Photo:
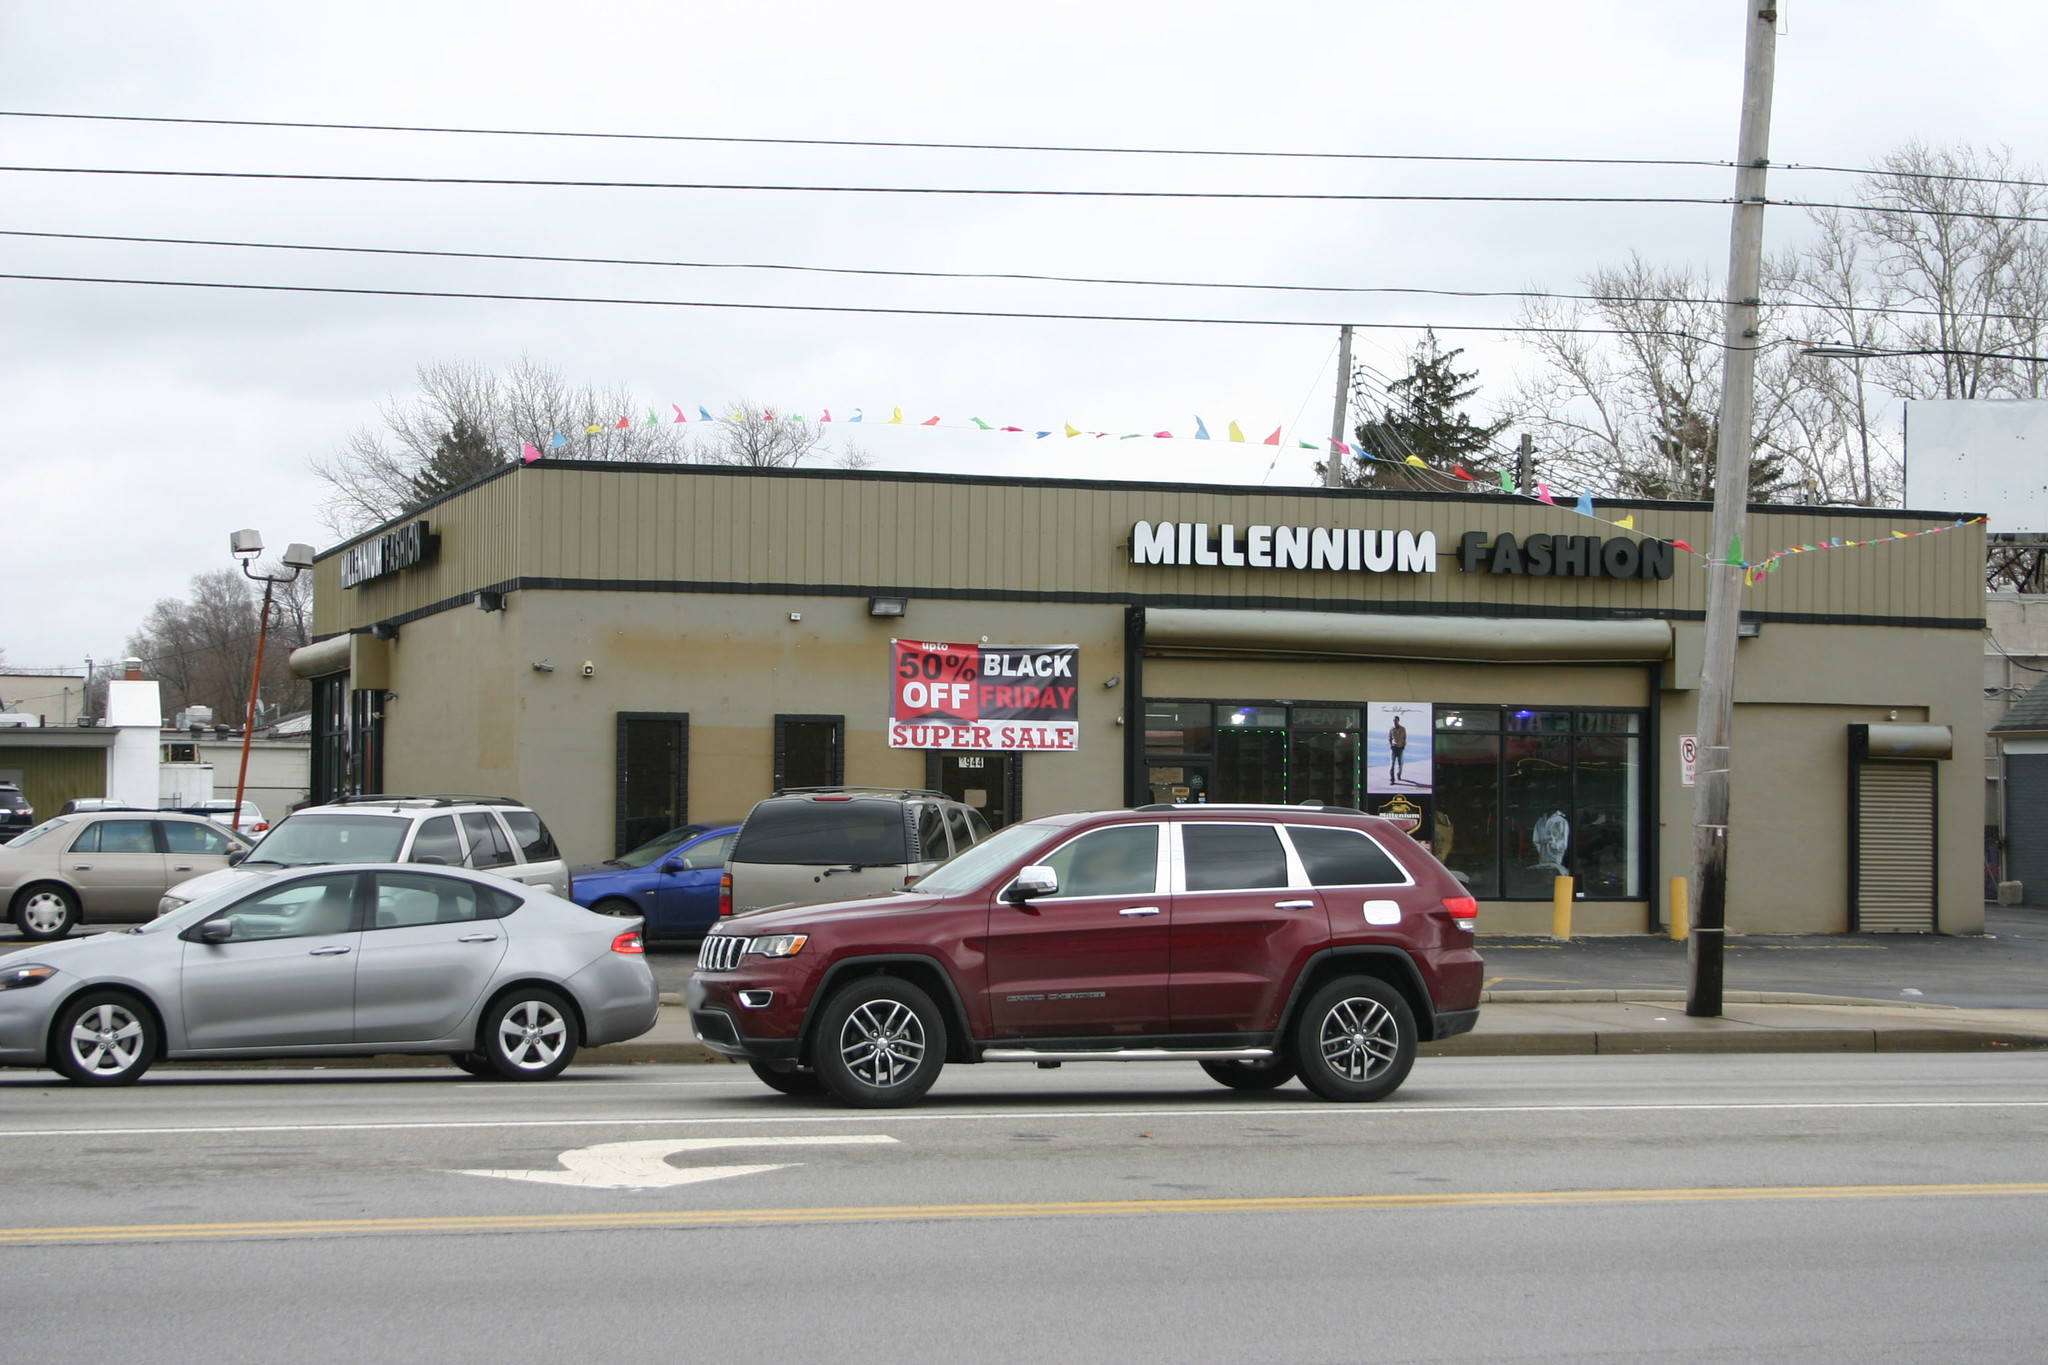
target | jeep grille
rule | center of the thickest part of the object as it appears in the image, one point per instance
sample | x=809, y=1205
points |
x=720, y=952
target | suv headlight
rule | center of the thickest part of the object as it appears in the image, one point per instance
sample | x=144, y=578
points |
x=170, y=903
x=22, y=977
x=778, y=945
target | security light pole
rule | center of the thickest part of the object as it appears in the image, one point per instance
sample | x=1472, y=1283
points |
x=1731, y=501
x=245, y=546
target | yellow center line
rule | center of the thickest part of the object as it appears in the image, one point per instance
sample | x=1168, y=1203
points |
x=705, y=1218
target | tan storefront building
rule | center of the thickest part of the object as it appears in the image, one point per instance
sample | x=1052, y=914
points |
x=629, y=647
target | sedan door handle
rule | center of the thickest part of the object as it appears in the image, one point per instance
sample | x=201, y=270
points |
x=1294, y=905
x=1140, y=910
x=331, y=950
x=478, y=938
x=81, y=867
x=182, y=867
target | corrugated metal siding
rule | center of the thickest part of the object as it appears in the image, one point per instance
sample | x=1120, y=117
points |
x=1895, y=848
x=734, y=526
x=2026, y=825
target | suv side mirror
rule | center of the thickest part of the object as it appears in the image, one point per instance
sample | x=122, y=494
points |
x=217, y=930
x=1036, y=880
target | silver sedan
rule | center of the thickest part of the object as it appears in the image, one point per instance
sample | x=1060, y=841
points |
x=504, y=979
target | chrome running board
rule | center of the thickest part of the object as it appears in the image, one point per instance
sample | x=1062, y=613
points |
x=1131, y=1054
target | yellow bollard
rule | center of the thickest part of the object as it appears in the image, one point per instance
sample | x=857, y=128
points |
x=1561, y=908
x=1681, y=909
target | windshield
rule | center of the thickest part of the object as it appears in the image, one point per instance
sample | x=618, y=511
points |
x=304, y=840
x=970, y=869
x=657, y=848
x=824, y=833
x=29, y=836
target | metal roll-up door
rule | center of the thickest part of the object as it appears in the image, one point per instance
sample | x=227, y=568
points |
x=1892, y=849
x=2026, y=825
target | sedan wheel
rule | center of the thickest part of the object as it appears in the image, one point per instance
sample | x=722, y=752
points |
x=46, y=912
x=1356, y=1040
x=105, y=1038
x=530, y=1035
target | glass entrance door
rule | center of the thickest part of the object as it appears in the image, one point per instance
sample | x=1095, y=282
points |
x=987, y=782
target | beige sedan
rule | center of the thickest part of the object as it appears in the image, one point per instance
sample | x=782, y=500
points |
x=106, y=866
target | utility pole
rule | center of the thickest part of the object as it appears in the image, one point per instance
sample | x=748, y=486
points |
x=1525, y=465
x=1333, y=463
x=1731, y=502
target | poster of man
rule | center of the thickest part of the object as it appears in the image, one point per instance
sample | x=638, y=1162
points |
x=1398, y=741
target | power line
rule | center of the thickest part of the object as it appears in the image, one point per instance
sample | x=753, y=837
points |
x=512, y=182
x=1020, y=276
x=845, y=308
x=887, y=144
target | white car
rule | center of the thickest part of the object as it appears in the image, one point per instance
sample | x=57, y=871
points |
x=485, y=833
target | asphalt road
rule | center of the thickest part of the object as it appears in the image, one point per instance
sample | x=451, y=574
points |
x=1723, y=1209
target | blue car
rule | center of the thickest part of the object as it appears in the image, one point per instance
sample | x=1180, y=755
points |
x=671, y=880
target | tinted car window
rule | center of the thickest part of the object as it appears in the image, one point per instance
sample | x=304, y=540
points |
x=977, y=825
x=436, y=841
x=1233, y=857
x=405, y=899
x=332, y=838
x=118, y=836
x=654, y=850
x=956, y=825
x=531, y=835
x=31, y=835
x=182, y=836
x=931, y=834
x=1343, y=857
x=823, y=833
x=304, y=909
x=487, y=846
x=1120, y=861
x=710, y=853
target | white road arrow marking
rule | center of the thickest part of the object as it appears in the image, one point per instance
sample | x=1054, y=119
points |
x=644, y=1165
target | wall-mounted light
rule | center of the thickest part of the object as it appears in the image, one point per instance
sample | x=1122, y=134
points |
x=384, y=630
x=888, y=606
x=1748, y=630
x=543, y=666
x=487, y=600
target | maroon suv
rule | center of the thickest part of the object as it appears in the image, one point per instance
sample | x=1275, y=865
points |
x=1265, y=942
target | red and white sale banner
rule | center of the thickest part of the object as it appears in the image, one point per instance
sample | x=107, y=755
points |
x=999, y=697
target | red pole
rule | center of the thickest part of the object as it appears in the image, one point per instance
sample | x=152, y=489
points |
x=249, y=722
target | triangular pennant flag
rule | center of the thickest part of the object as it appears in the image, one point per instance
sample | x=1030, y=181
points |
x=1627, y=523
x=1043, y=434
x=1132, y=437
x=855, y=417
x=1339, y=447
x=767, y=414
x=1236, y=433
x=1681, y=545
x=679, y=413
x=929, y=422
x=1415, y=460
x=897, y=420
x=1013, y=428
x=1543, y=493
x=623, y=424
x=1272, y=440
x=1306, y=445
x=1734, y=549
x=983, y=425
x=592, y=429
x=1900, y=535
x=828, y=415
x=1459, y=470
x=1201, y=432
x=1163, y=435
x=1507, y=483
x=1071, y=431
x=559, y=441
x=1584, y=506
x=652, y=420
x=531, y=454
x=705, y=413
x=794, y=417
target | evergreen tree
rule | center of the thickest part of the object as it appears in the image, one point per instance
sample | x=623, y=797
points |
x=462, y=455
x=1423, y=415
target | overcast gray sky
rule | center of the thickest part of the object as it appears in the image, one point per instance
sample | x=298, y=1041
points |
x=148, y=423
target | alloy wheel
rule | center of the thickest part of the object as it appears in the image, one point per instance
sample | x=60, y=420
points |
x=532, y=1034
x=1359, y=1038
x=882, y=1042
x=45, y=912
x=106, y=1039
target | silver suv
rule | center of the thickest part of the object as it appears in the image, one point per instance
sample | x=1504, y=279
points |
x=487, y=833
x=811, y=844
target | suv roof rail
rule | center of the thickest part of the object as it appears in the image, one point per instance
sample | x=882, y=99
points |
x=1252, y=805
x=472, y=799
x=430, y=798
x=875, y=791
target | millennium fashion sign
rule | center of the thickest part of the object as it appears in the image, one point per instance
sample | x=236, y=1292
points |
x=1347, y=548
x=409, y=545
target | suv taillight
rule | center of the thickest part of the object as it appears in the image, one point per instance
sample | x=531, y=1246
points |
x=1464, y=911
x=725, y=896
x=629, y=942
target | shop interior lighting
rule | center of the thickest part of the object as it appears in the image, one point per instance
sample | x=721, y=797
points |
x=888, y=606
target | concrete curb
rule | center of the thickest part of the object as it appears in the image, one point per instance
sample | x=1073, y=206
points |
x=1655, y=996
x=1628, y=1042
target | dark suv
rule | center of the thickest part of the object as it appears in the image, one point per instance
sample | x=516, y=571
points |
x=1263, y=942
x=16, y=814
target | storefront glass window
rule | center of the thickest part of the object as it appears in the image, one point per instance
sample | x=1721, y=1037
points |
x=1468, y=718
x=1536, y=810
x=1468, y=808
x=1178, y=727
x=1324, y=763
x=1603, y=844
x=1251, y=754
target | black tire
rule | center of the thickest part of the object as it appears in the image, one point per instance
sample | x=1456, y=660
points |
x=475, y=1063
x=1355, y=1040
x=46, y=911
x=788, y=1082
x=104, y=1038
x=619, y=907
x=1266, y=1075
x=880, y=1043
x=528, y=1034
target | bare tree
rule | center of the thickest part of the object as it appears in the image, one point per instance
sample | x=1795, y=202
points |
x=855, y=456
x=202, y=647
x=751, y=436
x=465, y=421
